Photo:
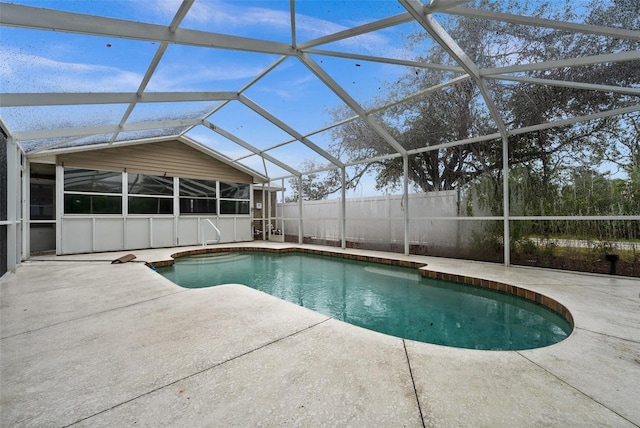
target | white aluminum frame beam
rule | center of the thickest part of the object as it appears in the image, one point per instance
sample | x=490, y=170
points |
x=292, y=19
x=85, y=98
x=571, y=62
x=442, y=5
x=107, y=129
x=420, y=93
x=69, y=22
x=384, y=60
x=613, y=32
x=568, y=84
x=472, y=140
x=54, y=145
x=266, y=71
x=357, y=31
x=570, y=121
x=95, y=98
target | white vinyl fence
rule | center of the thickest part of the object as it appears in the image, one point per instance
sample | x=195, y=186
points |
x=380, y=220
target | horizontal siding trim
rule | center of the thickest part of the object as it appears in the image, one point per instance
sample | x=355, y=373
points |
x=171, y=158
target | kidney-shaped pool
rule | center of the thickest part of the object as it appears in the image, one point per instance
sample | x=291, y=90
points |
x=388, y=299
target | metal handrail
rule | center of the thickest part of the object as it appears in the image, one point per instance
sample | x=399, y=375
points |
x=204, y=239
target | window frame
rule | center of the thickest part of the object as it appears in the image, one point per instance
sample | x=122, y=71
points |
x=245, y=201
x=185, y=197
x=91, y=194
x=148, y=196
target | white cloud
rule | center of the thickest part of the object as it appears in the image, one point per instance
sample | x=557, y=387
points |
x=224, y=17
x=294, y=88
x=220, y=16
x=23, y=72
x=176, y=77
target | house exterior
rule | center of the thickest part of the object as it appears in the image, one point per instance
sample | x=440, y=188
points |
x=131, y=196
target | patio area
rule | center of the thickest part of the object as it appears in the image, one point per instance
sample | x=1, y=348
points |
x=90, y=343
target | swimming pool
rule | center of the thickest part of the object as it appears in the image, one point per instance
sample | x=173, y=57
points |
x=388, y=299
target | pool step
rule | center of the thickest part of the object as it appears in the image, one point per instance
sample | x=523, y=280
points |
x=205, y=259
x=393, y=273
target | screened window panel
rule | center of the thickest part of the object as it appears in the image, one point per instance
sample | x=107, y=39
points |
x=76, y=203
x=197, y=188
x=142, y=184
x=234, y=207
x=150, y=205
x=197, y=206
x=88, y=180
x=234, y=190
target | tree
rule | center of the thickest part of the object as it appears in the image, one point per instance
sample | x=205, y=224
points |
x=315, y=186
x=458, y=111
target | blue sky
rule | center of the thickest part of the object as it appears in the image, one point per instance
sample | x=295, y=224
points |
x=45, y=61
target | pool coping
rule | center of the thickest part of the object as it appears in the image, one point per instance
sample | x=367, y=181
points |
x=422, y=267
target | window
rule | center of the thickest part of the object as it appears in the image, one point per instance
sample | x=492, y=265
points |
x=150, y=194
x=235, y=198
x=92, y=192
x=197, y=196
x=101, y=192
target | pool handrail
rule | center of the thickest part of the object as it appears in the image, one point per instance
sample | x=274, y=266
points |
x=202, y=232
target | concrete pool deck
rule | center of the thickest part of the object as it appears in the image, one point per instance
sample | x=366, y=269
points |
x=88, y=343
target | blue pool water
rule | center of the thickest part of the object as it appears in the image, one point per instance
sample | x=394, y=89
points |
x=387, y=299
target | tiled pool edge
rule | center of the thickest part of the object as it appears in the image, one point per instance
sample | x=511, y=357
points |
x=371, y=259
x=501, y=287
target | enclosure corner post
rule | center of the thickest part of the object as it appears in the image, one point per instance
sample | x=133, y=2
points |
x=405, y=199
x=505, y=200
x=13, y=202
x=343, y=210
x=300, y=234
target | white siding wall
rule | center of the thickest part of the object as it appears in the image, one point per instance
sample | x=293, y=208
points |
x=189, y=231
x=85, y=234
x=77, y=235
x=108, y=234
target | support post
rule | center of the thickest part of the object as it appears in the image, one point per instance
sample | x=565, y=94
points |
x=505, y=201
x=405, y=199
x=12, y=204
x=343, y=210
x=267, y=208
x=300, y=234
x=60, y=206
x=264, y=213
x=26, y=210
x=282, y=211
x=176, y=211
